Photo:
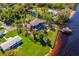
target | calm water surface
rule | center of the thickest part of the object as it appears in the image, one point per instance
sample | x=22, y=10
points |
x=71, y=42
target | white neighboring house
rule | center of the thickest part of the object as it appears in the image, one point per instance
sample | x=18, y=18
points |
x=52, y=11
x=10, y=43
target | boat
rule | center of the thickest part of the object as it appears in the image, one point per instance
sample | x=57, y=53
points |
x=66, y=30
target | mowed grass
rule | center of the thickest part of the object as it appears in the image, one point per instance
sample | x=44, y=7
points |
x=29, y=48
x=52, y=36
x=2, y=40
x=0, y=24
x=11, y=34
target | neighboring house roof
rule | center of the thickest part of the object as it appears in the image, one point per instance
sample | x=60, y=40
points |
x=11, y=41
x=36, y=21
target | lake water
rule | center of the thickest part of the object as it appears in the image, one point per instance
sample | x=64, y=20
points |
x=71, y=42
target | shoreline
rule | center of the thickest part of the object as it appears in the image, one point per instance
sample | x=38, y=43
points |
x=72, y=14
x=57, y=47
x=59, y=43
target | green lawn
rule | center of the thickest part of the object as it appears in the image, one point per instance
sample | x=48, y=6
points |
x=1, y=30
x=2, y=40
x=11, y=34
x=52, y=36
x=29, y=48
x=0, y=24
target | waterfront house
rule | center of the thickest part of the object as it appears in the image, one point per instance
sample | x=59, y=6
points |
x=36, y=24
